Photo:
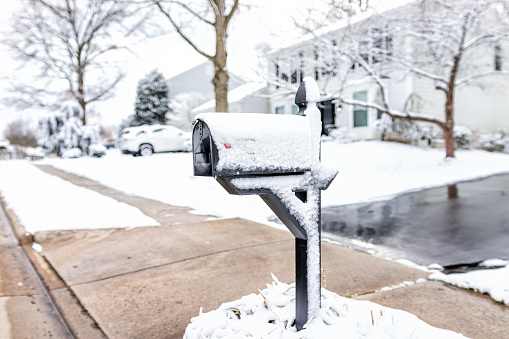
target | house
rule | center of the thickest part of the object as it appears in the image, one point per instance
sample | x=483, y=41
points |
x=199, y=80
x=247, y=98
x=481, y=105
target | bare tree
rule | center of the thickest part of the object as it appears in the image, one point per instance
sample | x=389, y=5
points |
x=445, y=42
x=216, y=14
x=19, y=132
x=67, y=42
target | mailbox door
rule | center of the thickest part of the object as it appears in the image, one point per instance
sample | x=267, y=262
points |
x=204, y=151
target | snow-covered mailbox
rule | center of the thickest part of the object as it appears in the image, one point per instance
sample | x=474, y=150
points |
x=278, y=158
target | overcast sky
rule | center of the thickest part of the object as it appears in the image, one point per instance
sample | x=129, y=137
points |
x=266, y=21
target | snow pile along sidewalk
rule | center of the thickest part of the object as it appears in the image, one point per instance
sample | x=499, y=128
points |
x=271, y=314
x=493, y=281
x=45, y=202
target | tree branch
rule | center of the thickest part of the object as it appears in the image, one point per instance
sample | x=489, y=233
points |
x=232, y=12
x=184, y=36
x=395, y=114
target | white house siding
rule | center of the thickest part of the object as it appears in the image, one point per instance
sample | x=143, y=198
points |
x=484, y=109
x=433, y=100
x=254, y=104
x=286, y=101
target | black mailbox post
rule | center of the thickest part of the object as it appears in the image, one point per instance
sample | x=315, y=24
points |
x=277, y=158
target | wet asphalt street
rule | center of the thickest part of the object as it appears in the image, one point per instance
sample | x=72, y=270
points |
x=431, y=226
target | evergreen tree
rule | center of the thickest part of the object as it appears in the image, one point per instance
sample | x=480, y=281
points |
x=152, y=100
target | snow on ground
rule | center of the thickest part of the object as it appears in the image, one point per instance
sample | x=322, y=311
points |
x=376, y=170
x=45, y=202
x=271, y=314
x=368, y=171
x=494, y=282
x=166, y=177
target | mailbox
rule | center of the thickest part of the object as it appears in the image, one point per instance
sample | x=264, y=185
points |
x=278, y=158
x=239, y=144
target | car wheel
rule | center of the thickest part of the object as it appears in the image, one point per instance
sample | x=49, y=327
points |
x=146, y=150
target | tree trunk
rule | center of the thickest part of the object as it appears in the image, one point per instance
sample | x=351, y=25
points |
x=449, y=142
x=81, y=94
x=449, y=124
x=452, y=191
x=220, y=80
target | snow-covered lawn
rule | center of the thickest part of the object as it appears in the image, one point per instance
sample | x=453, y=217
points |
x=367, y=171
x=45, y=202
x=271, y=314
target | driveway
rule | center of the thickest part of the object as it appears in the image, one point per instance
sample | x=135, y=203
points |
x=429, y=226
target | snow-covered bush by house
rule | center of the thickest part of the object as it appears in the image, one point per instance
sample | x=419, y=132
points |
x=462, y=136
x=63, y=131
x=409, y=131
x=152, y=100
x=89, y=136
x=340, y=135
x=271, y=314
x=72, y=153
x=495, y=142
x=96, y=150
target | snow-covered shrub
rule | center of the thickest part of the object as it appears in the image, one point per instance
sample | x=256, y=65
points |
x=89, y=136
x=409, y=131
x=495, y=142
x=72, y=153
x=96, y=150
x=340, y=135
x=462, y=136
x=64, y=130
x=61, y=130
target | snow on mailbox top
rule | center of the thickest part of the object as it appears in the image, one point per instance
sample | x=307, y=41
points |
x=255, y=143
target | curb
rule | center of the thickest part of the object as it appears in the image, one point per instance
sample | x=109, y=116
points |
x=76, y=318
x=22, y=236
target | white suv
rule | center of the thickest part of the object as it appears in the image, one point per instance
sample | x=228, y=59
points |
x=147, y=139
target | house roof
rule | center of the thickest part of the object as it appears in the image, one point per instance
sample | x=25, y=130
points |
x=378, y=7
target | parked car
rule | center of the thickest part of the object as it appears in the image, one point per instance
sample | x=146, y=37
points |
x=147, y=139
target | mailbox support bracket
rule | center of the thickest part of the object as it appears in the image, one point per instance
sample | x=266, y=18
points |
x=285, y=214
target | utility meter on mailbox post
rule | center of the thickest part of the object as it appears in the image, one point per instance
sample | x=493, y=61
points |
x=278, y=158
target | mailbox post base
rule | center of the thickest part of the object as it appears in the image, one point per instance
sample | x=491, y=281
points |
x=301, y=283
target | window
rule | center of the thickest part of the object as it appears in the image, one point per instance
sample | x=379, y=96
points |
x=376, y=47
x=334, y=58
x=277, y=74
x=294, y=77
x=301, y=66
x=317, y=74
x=295, y=109
x=360, y=114
x=280, y=110
x=379, y=101
x=498, y=57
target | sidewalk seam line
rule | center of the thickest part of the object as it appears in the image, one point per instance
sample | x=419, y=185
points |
x=175, y=262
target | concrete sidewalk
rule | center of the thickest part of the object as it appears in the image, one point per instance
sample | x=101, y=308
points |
x=149, y=282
